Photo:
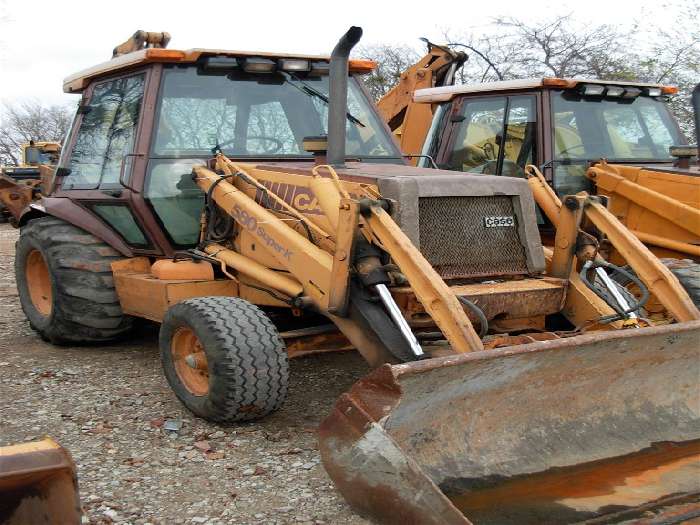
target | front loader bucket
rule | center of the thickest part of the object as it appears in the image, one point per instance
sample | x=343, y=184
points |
x=38, y=485
x=602, y=427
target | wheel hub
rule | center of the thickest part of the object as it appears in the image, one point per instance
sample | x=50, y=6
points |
x=39, y=282
x=190, y=361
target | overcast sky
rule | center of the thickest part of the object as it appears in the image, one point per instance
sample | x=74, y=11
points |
x=41, y=42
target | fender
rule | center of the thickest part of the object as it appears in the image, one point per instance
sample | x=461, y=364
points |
x=69, y=211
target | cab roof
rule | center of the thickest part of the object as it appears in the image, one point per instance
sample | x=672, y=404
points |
x=444, y=94
x=77, y=82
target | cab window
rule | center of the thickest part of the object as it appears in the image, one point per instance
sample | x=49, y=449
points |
x=243, y=115
x=618, y=129
x=175, y=198
x=495, y=136
x=107, y=133
x=266, y=115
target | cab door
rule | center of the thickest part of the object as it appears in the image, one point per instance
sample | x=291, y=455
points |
x=493, y=135
x=103, y=157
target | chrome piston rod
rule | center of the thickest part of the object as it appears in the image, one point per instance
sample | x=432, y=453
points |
x=614, y=290
x=399, y=319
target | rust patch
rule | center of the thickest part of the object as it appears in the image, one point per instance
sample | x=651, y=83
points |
x=583, y=491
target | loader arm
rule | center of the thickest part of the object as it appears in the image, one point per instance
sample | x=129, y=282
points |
x=322, y=277
x=430, y=289
x=306, y=262
x=658, y=279
x=676, y=223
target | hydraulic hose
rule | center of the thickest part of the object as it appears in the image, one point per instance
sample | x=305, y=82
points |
x=483, y=322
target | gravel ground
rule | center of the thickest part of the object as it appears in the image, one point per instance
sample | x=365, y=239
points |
x=107, y=406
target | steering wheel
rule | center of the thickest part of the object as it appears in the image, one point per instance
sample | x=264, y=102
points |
x=276, y=143
x=509, y=168
x=567, y=150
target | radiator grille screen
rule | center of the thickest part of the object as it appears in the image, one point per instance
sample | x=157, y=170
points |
x=457, y=243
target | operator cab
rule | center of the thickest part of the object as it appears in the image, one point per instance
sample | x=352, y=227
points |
x=563, y=125
x=148, y=116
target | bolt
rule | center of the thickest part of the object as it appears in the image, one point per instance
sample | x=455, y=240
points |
x=196, y=361
x=571, y=203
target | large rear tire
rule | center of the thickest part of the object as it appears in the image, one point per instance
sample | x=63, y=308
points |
x=224, y=359
x=688, y=274
x=686, y=271
x=65, y=285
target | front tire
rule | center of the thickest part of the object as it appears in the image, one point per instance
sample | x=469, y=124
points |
x=224, y=359
x=65, y=284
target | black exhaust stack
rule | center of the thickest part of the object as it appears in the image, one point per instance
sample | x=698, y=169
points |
x=696, y=108
x=338, y=96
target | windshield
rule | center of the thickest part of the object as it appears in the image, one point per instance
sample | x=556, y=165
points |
x=619, y=129
x=266, y=115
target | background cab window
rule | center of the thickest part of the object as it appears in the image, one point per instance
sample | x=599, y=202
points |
x=495, y=137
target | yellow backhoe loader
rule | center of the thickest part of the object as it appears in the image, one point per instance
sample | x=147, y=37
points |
x=20, y=185
x=615, y=139
x=260, y=211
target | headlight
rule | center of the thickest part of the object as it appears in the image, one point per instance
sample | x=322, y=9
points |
x=259, y=65
x=221, y=63
x=293, y=64
x=614, y=91
x=592, y=90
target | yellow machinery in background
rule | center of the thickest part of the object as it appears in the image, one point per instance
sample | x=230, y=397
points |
x=22, y=184
x=409, y=121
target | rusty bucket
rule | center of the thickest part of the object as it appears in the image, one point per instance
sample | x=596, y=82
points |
x=38, y=485
x=602, y=428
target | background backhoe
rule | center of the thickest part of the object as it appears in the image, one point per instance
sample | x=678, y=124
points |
x=259, y=210
x=20, y=185
x=566, y=126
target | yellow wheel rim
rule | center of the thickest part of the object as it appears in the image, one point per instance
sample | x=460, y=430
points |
x=39, y=282
x=190, y=361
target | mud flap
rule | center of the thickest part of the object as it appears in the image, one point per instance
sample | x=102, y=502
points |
x=595, y=427
x=38, y=485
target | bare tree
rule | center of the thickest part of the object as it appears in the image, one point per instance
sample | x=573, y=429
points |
x=673, y=57
x=22, y=122
x=561, y=46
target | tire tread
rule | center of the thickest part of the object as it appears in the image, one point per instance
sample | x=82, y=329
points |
x=250, y=359
x=86, y=309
